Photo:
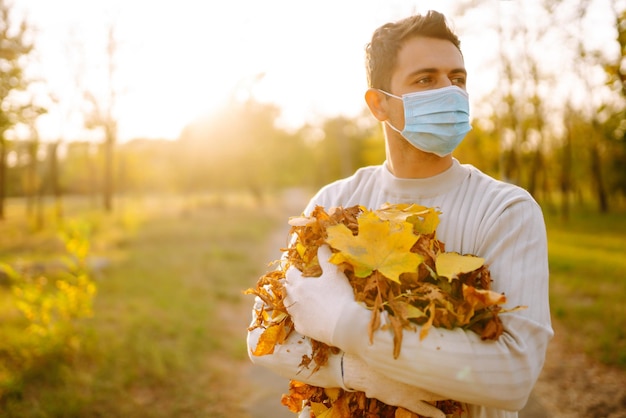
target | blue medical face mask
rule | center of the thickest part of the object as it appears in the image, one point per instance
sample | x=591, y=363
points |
x=435, y=121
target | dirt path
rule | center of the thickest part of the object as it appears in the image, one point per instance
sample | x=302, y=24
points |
x=269, y=387
x=570, y=386
x=574, y=386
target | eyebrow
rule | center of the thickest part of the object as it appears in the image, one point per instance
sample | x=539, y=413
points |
x=435, y=70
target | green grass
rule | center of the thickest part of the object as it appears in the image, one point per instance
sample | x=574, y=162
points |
x=168, y=334
x=588, y=282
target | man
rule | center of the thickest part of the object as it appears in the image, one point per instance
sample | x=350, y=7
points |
x=417, y=80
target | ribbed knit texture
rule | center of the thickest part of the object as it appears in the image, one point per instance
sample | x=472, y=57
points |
x=481, y=216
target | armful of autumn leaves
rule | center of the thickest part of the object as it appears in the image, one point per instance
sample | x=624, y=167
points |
x=394, y=263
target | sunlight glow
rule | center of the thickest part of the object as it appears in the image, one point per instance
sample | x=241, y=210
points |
x=177, y=61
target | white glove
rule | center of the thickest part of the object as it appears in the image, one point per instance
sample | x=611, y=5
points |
x=358, y=375
x=287, y=357
x=315, y=303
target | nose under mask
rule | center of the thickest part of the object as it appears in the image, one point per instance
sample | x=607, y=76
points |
x=435, y=121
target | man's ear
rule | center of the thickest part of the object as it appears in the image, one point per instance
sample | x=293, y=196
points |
x=377, y=103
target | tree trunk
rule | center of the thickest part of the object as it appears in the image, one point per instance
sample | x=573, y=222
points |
x=511, y=165
x=3, y=175
x=108, y=173
x=30, y=180
x=566, y=174
x=535, y=173
x=597, y=180
x=55, y=187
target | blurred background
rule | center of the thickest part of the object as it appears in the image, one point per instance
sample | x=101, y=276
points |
x=150, y=150
x=178, y=97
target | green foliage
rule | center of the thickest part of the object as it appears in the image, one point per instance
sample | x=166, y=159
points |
x=15, y=107
x=50, y=306
x=240, y=147
x=552, y=145
x=16, y=45
x=80, y=173
x=481, y=148
x=342, y=145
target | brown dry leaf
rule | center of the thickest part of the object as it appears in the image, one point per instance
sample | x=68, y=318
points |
x=481, y=299
x=298, y=392
x=341, y=408
x=492, y=329
x=431, y=317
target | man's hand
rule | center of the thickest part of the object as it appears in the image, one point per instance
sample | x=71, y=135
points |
x=315, y=303
x=358, y=375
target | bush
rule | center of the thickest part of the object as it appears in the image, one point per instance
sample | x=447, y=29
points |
x=50, y=305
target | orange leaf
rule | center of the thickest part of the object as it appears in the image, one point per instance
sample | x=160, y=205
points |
x=482, y=298
x=269, y=338
x=404, y=413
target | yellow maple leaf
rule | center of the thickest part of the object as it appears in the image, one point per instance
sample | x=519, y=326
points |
x=424, y=219
x=400, y=212
x=379, y=245
x=451, y=264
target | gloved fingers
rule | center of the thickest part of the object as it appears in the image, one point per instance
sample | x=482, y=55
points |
x=315, y=303
x=332, y=272
x=323, y=255
x=293, y=276
x=429, y=396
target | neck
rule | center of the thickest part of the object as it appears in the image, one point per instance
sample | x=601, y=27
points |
x=406, y=161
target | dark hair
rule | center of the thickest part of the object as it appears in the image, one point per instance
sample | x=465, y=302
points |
x=382, y=52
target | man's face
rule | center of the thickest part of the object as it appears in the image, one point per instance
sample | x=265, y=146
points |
x=424, y=64
x=427, y=64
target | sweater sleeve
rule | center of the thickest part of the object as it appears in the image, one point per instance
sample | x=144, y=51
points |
x=456, y=363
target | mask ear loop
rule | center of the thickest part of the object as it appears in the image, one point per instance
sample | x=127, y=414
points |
x=387, y=121
x=389, y=94
x=394, y=128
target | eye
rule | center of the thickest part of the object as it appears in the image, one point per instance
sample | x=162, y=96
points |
x=459, y=80
x=424, y=81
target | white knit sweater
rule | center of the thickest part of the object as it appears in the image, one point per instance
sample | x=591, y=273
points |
x=481, y=216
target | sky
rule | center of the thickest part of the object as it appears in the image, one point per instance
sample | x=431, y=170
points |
x=179, y=60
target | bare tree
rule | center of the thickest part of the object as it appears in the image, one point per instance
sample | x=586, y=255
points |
x=530, y=116
x=101, y=115
x=584, y=61
x=14, y=48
